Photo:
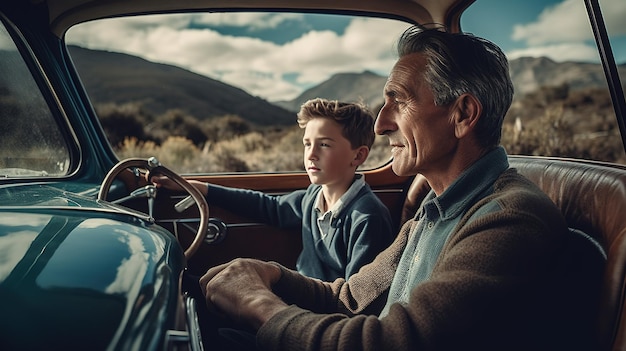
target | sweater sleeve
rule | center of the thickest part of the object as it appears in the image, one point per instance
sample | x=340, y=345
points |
x=283, y=211
x=314, y=303
x=487, y=288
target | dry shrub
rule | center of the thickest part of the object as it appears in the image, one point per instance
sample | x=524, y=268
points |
x=284, y=155
x=548, y=135
x=131, y=147
x=178, y=123
x=179, y=153
x=222, y=157
x=379, y=155
x=176, y=153
x=226, y=127
x=578, y=124
x=121, y=122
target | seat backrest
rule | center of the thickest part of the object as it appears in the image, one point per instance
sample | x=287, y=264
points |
x=592, y=198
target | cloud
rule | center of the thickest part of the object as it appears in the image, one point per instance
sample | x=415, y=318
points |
x=564, y=28
x=614, y=12
x=558, y=23
x=367, y=44
x=254, y=20
x=258, y=66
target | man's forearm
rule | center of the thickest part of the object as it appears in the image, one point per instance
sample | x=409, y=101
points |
x=262, y=307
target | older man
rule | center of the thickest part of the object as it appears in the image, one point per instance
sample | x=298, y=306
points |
x=473, y=269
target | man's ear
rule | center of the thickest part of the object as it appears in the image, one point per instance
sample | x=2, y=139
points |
x=360, y=156
x=466, y=112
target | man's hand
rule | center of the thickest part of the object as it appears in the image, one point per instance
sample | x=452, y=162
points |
x=242, y=290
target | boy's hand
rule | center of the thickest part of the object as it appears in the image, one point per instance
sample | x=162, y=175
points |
x=166, y=183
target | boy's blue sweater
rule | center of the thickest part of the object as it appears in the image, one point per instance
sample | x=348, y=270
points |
x=359, y=231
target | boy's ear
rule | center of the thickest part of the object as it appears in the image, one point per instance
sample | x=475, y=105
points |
x=360, y=156
x=467, y=110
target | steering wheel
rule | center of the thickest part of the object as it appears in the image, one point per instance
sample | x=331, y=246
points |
x=154, y=167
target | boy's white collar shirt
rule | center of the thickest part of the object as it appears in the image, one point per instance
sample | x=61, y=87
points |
x=325, y=218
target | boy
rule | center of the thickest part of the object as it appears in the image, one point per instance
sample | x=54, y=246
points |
x=344, y=224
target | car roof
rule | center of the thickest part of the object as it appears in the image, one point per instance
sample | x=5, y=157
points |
x=65, y=13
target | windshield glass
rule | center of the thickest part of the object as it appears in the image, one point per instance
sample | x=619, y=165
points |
x=219, y=92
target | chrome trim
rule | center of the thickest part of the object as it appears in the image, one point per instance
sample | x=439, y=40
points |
x=195, y=335
x=192, y=337
x=216, y=228
x=176, y=336
x=195, y=220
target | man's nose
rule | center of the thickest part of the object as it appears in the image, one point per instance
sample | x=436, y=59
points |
x=383, y=124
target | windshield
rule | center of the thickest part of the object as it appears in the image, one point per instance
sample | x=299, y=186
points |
x=219, y=92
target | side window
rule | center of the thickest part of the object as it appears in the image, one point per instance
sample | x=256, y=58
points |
x=562, y=105
x=32, y=145
x=219, y=92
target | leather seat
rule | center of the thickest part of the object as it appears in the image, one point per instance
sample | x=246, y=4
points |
x=592, y=198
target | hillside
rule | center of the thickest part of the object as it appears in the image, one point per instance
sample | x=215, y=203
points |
x=529, y=74
x=120, y=78
x=366, y=87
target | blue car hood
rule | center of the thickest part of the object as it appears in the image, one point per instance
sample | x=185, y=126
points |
x=76, y=275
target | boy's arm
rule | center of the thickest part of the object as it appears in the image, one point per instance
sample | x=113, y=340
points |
x=282, y=211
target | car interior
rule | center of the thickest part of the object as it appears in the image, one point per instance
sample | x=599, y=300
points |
x=591, y=194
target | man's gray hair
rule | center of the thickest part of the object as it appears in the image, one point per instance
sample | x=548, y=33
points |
x=460, y=63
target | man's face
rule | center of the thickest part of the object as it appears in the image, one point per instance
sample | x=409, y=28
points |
x=421, y=134
x=328, y=155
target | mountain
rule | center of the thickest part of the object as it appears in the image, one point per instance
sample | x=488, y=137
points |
x=527, y=73
x=111, y=77
x=530, y=73
x=121, y=78
x=366, y=87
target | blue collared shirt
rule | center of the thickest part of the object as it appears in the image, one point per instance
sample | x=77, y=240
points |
x=325, y=219
x=437, y=218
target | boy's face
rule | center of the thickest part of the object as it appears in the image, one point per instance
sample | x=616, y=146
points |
x=328, y=155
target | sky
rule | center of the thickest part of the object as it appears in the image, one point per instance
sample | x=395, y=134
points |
x=549, y=28
x=284, y=54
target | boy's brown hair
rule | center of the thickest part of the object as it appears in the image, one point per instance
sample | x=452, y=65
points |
x=356, y=119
